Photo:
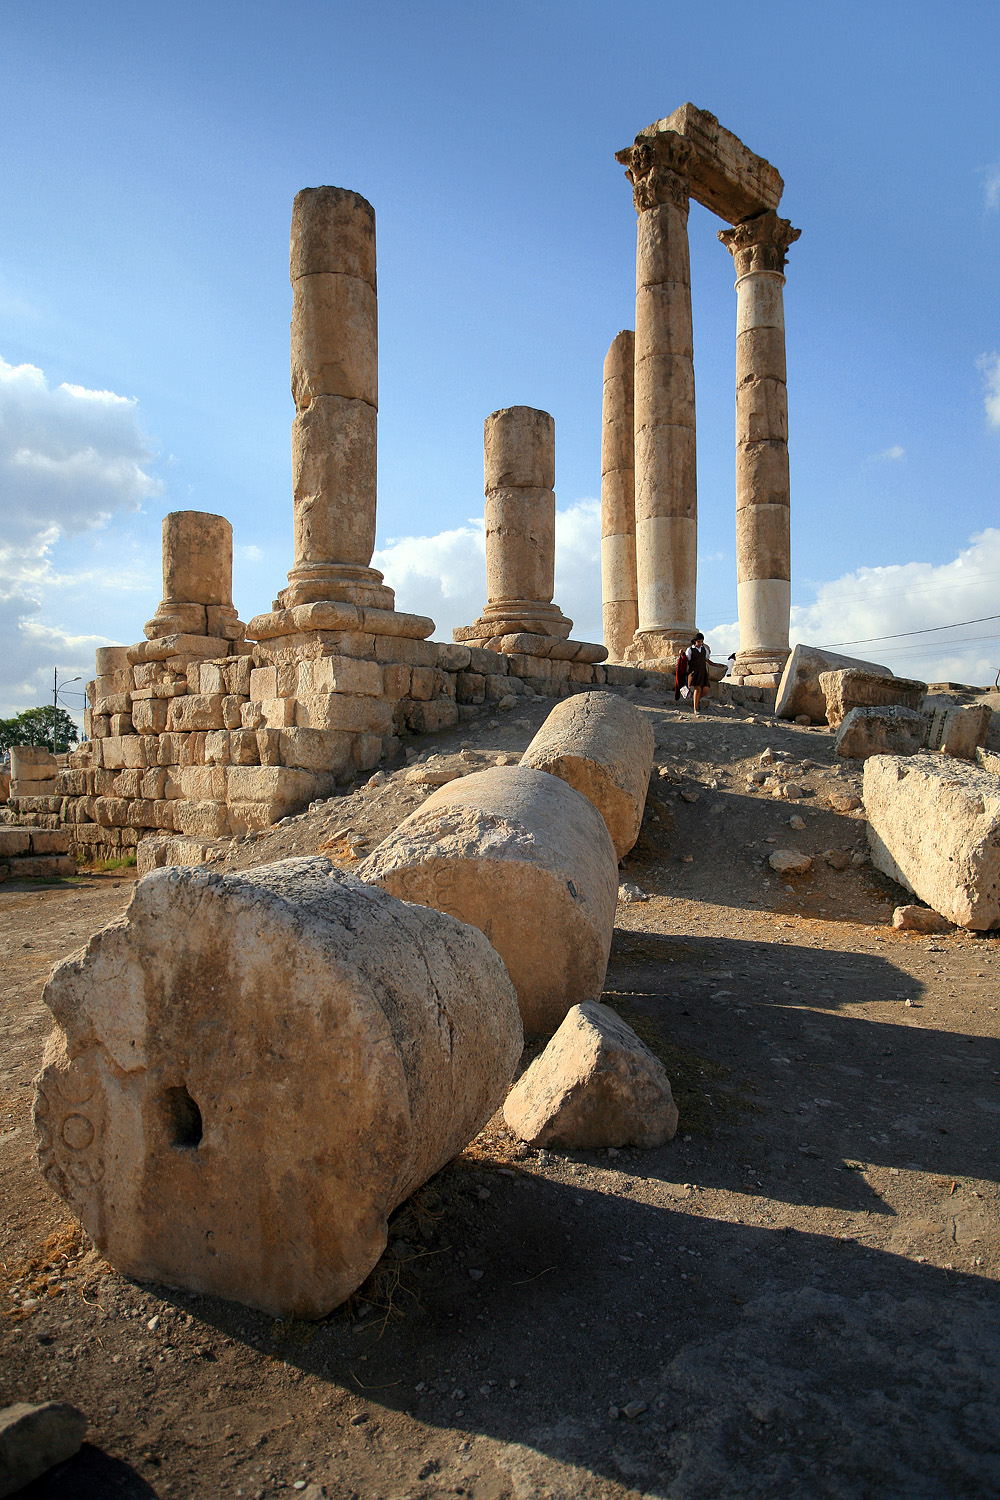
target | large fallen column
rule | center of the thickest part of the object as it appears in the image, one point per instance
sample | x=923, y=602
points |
x=934, y=826
x=604, y=747
x=253, y=1070
x=527, y=860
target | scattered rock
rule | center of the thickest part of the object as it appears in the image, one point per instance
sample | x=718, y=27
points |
x=688, y=796
x=919, y=919
x=802, y=719
x=596, y=1084
x=791, y=791
x=790, y=862
x=843, y=801
x=796, y=822
x=35, y=1438
x=630, y=893
x=837, y=859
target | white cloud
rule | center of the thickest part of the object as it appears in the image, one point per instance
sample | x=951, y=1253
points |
x=854, y=615
x=893, y=454
x=444, y=576
x=990, y=366
x=70, y=459
x=991, y=187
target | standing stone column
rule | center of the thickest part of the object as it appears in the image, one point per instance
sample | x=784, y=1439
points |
x=618, y=575
x=666, y=503
x=197, y=578
x=519, y=461
x=335, y=386
x=759, y=246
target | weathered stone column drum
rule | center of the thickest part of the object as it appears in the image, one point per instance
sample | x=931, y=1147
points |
x=197, y=578
x=666, y=497
x=519, y=465
x=759, y=246
x=334, y=351
x=618, y=575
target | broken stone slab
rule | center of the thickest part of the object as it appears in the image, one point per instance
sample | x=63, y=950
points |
x=920, y=919
x=889, y=730
x=250, y=1071
x=529, y=861
x=603, y=746
x=790, y=862
x=33, y=1439
x=799, y=691
x=596, y=1084
x=848, y=688
x=934, y=826
x=959, y=731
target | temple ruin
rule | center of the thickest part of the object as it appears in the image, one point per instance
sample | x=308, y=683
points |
x=689, y=155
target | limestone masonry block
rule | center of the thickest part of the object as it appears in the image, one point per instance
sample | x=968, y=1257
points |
x=892, y=730
x=596, y=1084
x=603, y=747
x=315, y=749
x=373, y=1038
x=848, y=687
x=150, y=715
x=799, y=691
x=196, y=711
x=339, y=674
x=205, y=820
x=364, y=714
x=528, y=860
x=959, y=731
x=934, y=826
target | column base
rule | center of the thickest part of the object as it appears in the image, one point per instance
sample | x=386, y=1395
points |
x=346, y=583
x=516, y=617
x=761, y=662
x=657, y=650
x=175, y=618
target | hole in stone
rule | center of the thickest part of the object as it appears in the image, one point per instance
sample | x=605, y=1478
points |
x=183, y=1117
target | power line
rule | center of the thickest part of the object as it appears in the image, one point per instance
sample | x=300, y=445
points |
x=928, y=630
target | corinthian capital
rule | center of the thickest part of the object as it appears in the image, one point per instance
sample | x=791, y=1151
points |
x=657, y=168
x=760, y=243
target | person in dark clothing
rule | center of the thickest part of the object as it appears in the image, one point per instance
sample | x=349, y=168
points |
x=697, y=655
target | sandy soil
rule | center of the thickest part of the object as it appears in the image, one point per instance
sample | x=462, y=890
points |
x=797, y=1297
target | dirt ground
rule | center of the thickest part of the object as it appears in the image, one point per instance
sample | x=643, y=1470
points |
x=797, y=1297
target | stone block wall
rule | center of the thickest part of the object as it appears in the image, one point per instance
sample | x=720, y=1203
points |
x=213, y=747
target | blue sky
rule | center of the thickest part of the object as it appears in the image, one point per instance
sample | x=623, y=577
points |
x=150, y=157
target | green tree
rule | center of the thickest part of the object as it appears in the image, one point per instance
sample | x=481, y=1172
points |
x=34, y=727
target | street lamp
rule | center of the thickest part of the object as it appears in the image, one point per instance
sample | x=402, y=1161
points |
x=55, y=701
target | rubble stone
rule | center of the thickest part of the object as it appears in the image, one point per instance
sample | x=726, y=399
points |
x=920, y=919
x=33, y=1439
x=600, y=744
x=251, y=1071
x=848, y=688
x=799, y=690
x=596, y=1084
x=934, y=826
x=528, y=860
x=889, y=730
x=959, y=731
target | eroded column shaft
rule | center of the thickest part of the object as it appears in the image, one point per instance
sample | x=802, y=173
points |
x=618, y=570
x=666, y=505
x=335, y=386
x=763, y=555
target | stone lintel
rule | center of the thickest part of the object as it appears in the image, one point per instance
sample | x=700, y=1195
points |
x=724, y=175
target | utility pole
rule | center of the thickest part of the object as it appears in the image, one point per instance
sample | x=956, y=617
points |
x=55, y=701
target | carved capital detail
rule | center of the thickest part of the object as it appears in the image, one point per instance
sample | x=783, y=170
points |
x=760, y=243
x=657, y=168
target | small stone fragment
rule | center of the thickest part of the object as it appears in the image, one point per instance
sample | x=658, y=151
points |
x=35, y=1438
x=919, y=919
x=838, y=859
x=790, y=862
x=630, y=893
x=595, y=1084
x=796, y=822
